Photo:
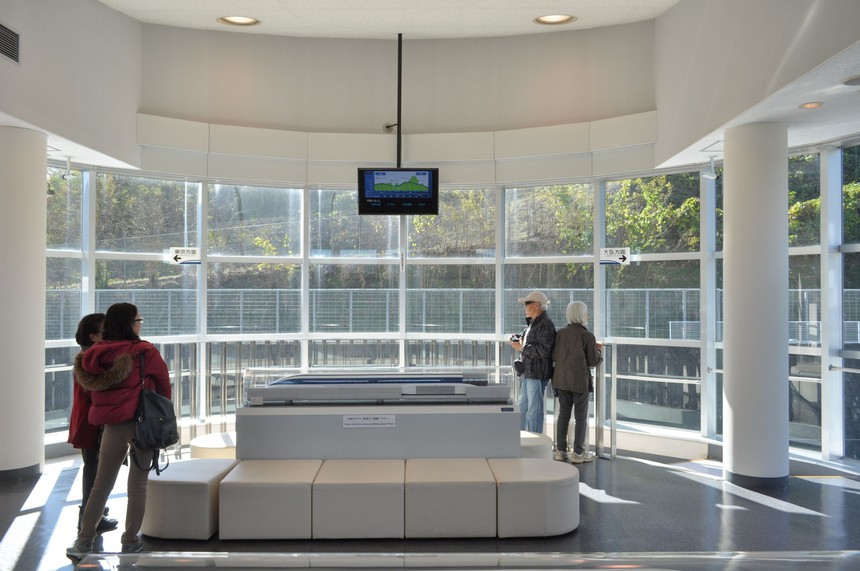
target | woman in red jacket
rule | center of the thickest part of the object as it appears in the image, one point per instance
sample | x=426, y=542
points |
x=82, y=434
x=113, y=371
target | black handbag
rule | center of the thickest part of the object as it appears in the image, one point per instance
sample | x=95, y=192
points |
x=156, y=424
x=519, y=367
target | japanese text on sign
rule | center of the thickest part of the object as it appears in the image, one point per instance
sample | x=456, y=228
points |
x=368, y=421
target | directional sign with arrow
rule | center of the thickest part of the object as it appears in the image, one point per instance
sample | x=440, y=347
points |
x=615, y=256
x=184, y=255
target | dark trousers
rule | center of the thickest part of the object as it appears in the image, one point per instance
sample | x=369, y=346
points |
x=91, y=464
x=578, y=403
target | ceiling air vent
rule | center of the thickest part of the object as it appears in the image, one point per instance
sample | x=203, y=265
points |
x=9, y=43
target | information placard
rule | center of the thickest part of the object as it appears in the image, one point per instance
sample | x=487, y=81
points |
x=369, y=421
x=184, y=255
x=615, y=256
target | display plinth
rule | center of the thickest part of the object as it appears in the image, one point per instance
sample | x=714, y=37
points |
x=330, y=432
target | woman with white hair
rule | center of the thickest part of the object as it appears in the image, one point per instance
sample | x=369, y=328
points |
x=575, y=353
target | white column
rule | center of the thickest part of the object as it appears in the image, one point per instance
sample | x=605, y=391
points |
x=23, y=190
x=755, y=358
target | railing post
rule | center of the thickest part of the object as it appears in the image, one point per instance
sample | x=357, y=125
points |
x=600, y=400
x=599, y=408
x=613, y=407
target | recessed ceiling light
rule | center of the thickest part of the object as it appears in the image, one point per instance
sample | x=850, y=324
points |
x=811, y=105
x=555, y=19
x=238, y=20
x=852, y=81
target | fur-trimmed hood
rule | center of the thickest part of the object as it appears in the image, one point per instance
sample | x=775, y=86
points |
x=117, y=373
x=114, y=371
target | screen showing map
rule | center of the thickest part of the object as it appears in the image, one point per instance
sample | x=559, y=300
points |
x=398, y=191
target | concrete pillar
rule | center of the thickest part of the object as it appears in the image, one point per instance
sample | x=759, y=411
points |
x=755, y=285
x=23, y=190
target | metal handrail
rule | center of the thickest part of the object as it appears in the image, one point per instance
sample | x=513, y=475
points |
x=844, y=369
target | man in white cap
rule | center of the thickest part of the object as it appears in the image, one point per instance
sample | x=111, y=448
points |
x=535, y=347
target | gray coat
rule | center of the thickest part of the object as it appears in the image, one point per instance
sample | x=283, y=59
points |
x=574, y=353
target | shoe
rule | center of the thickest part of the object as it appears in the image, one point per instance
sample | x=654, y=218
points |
x=79, y=550
x=134, y=547
x=586, y=456
x=561, y=456
x=106, y=524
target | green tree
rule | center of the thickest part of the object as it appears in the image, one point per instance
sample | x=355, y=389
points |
x=657, y=214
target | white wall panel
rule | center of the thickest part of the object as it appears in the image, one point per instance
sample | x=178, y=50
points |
x=429, y=148
x=79, y=75
x=251, y=142
x=630, y=130
x=169, y=133
x=336, y=174
x=171, y=161
x=622, y=161
x=715, y=60
x=544, y=168
x=539, y=141
x=463, y=158
x=352, y=147
x=467, y=173
x=256, y=169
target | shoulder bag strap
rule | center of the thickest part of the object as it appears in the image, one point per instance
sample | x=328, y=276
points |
x=142, y=374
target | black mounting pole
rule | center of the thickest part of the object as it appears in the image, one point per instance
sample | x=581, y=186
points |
x=399, y=89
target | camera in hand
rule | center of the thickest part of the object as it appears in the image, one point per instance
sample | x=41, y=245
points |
x=515, y=338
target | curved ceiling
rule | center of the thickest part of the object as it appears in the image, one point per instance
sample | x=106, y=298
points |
x=438, y=19
x=384, y=19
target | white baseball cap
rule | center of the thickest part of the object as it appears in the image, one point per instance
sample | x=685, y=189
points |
x=535, y=296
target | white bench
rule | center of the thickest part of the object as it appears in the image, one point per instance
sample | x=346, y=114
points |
x=359, y=499
x=352, y=499
x=268, y=499
x=536, y=497
x=535, y=445
x=450, y=497
x=182, y=502
x=214, y=445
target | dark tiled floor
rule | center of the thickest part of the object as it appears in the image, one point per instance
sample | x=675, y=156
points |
x=629, y=505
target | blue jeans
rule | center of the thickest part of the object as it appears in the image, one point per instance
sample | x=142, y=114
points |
x=532, y=402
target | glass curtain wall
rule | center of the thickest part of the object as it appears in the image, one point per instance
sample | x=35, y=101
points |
x=343, y=290
x=851, y=300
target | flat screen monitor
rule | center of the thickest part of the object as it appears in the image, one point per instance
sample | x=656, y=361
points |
x=398, y=191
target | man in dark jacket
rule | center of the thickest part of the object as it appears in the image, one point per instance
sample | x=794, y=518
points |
x=535, y=347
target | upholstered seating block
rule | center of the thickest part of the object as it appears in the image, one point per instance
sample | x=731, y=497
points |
x=359, y=499
x=450, y=497
x=182, y=502
x=268, y=499
x=534, y=445
x=536, y=497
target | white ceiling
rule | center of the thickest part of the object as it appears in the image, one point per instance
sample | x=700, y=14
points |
x=415, y=19
x=384, y=19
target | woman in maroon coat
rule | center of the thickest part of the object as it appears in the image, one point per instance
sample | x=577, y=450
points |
x=82, y=434
x=112, y=371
